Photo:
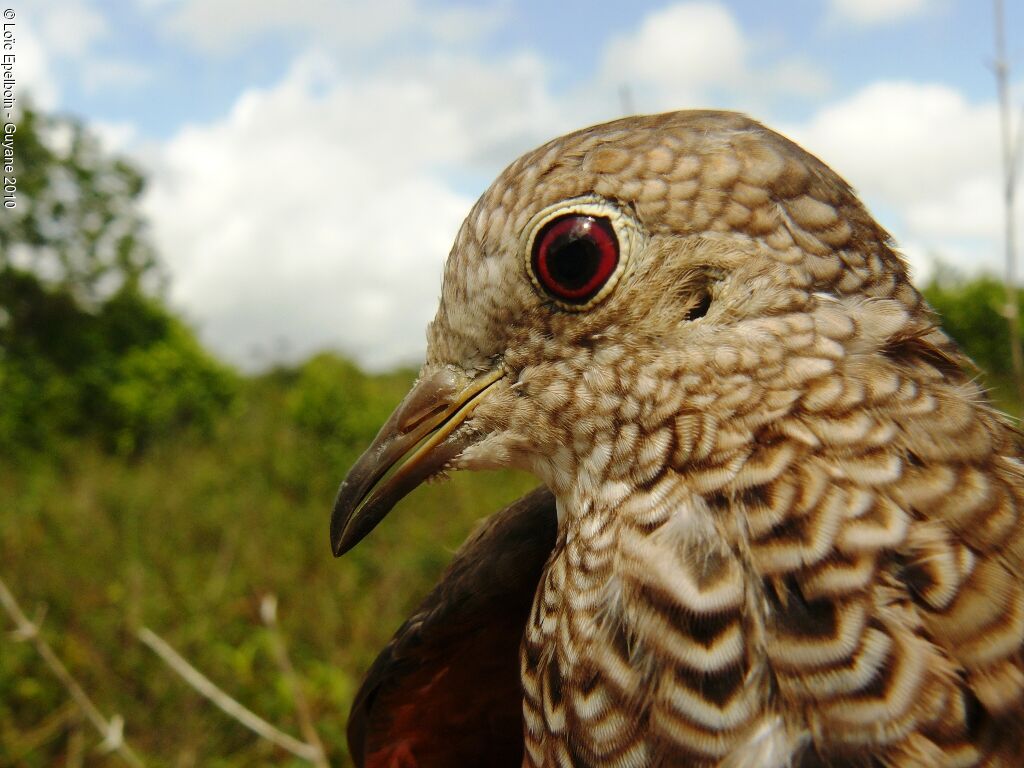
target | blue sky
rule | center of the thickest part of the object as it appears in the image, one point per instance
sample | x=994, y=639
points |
x=178, y=80
x=310, y=161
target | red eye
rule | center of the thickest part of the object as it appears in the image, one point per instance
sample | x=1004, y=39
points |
x=574, y=255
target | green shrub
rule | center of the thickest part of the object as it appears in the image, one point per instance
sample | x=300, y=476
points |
x=164, y=387
x=971, y=311
x=338, y=405
x=123, y=372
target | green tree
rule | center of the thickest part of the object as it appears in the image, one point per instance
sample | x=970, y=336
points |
x=77, y=223
x=971, y=310
x=86, y=345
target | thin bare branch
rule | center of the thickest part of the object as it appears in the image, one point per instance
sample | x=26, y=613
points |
x=1009, y=147
x=111, y=730
x=232, y=708
x=1017, y=149
x=268, y=615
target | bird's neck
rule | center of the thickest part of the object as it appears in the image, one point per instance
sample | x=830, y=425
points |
x=614, y=536
x=641, y=578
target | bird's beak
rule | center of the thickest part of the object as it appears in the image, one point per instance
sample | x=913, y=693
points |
x=423, y=430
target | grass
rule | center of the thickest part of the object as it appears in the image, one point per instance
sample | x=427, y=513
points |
x=187, y=539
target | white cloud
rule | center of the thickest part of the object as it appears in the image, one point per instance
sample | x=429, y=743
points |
x=317, y=213
x=34, y=77
x=926, y=158
x=70, y=27
x=73, y=31
x=451, y=26
x=871, y=12
x=695, y=54
x=682, y=50
x=796, y=76
x=224, y=26
x=115, y=137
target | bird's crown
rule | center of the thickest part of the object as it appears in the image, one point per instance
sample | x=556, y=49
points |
x=649, y=217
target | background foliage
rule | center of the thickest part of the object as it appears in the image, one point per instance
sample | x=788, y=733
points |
x=143, y=482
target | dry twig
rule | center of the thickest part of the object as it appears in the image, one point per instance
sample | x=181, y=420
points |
x=111, y=730
x=232, y=708
x=268, y=615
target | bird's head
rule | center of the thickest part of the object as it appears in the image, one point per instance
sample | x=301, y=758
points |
x=606, y=284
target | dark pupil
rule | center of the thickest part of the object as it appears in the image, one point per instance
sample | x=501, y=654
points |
x=572, y=260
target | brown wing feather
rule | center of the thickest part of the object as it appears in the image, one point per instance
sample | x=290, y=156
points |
x=445, y=691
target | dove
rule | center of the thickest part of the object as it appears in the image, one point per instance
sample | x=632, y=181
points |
x=780, y=522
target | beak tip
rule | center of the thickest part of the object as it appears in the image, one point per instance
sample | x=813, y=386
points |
x=340, y=543
x=341, y=540
x=337, y=548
